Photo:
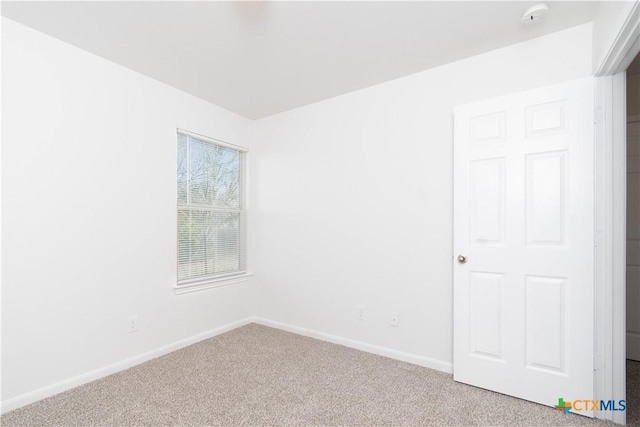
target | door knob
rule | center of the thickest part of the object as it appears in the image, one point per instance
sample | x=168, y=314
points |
x=462, y=259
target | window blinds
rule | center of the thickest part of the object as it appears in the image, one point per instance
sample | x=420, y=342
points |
x=211, y=211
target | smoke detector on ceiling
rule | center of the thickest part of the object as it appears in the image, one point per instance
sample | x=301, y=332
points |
x=536, y=12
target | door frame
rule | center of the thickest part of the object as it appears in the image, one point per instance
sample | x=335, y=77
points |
x=610, y=227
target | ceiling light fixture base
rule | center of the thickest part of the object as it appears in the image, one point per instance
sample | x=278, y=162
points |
x=535, y=13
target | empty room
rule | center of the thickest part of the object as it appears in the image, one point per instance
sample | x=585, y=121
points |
x=320, y=213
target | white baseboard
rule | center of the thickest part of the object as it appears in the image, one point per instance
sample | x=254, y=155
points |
x=633, y=346
x=359, y=345
x=59, y=387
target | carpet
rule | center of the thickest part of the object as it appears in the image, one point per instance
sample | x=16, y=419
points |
x=257, y=375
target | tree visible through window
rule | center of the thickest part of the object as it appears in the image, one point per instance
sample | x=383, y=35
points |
x=211, y=216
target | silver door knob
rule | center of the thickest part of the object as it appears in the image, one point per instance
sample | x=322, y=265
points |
x=462, y=259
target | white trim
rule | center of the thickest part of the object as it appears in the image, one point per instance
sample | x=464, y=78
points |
x=59, y=387
x=359, y=345
x=610, y=307
x=616, y=58
x=212, y=140
x=210, y=283
x=603, y=297
x=619, y=242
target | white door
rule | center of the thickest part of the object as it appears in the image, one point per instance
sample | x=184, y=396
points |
x=524, y=223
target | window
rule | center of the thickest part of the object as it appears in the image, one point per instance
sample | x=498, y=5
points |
x=211, y=210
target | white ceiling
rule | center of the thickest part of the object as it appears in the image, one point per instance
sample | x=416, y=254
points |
x=261, y=58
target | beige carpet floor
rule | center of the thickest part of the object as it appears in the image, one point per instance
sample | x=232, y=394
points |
x=256, y=375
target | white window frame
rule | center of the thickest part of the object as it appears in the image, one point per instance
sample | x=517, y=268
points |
x=201, y=283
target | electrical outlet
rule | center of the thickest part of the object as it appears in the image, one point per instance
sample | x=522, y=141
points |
x=133, y=324
x=360, y=314
x=393, y=321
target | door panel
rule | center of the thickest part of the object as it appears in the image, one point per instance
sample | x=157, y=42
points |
x=545, y=198
x=487, y=197
x=523, y=217
x=486, y=321
x=545, y=327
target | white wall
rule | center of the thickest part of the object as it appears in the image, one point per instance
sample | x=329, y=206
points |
x=354, y=197
x=609, y=19
x=88, y=198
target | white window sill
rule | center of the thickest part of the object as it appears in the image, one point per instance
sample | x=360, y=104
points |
x=211, y=283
